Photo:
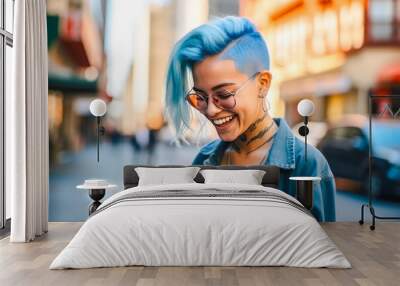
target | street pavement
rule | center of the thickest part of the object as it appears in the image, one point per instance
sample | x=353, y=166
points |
x=66, y=203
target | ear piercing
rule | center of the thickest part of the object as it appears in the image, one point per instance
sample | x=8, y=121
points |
x=263, y=97
x=260, y=94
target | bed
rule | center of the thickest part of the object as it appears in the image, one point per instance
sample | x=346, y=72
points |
x=201, y=224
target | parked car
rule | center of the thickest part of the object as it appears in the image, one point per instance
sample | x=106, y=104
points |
x=346, y=147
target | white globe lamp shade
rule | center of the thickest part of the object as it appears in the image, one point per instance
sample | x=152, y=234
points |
x=305, y=107
x=98, y=107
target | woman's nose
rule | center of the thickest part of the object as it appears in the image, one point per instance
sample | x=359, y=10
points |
x=212, y=109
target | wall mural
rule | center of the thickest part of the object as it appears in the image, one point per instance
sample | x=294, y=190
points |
x=179, y=92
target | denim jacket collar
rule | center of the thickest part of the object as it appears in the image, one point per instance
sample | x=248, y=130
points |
x=282, y=152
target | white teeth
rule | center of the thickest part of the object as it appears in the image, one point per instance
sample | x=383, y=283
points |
x=222, y=120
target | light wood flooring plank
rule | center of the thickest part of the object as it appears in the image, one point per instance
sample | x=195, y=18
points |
x=374, y=255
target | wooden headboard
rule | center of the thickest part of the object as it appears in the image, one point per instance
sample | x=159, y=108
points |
x=270, y=179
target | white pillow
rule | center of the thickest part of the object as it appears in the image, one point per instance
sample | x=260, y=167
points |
x=249, y=177
x=163, y=176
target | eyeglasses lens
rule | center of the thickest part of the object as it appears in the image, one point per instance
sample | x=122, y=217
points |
x=201, y=103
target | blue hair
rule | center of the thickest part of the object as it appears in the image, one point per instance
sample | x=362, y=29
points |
x=236, y=38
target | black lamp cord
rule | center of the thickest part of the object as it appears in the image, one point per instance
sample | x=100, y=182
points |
x=100, y=131
x=98, y=138
x=303, y=131
x=305, y=137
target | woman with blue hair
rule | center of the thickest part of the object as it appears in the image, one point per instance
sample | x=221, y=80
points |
x=228, y=62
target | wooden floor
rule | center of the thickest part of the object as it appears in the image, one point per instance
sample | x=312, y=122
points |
x=374, y=255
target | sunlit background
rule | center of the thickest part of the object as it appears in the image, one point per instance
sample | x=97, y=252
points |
x=335, y=52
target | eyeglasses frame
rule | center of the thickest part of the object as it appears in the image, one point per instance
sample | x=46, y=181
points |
x=206, y=98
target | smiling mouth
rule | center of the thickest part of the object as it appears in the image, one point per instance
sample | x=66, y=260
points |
x=223, y=120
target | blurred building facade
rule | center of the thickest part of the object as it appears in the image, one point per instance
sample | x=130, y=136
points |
x=161, y=24
x=161, y=41
x=222, y=8
x=115, y=50
x=76, y=63
x=331, y=51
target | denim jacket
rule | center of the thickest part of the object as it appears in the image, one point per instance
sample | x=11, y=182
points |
x=287, y=153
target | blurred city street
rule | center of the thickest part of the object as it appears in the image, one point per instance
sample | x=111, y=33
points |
x=66, y=203
x=70, y=204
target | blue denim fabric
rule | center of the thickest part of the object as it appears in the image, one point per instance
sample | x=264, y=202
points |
x=287, y=153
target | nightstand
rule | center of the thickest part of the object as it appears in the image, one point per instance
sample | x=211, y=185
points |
x=304, y=190
x=97, y=189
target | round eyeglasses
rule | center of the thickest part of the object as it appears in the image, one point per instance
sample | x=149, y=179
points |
x=221, y=99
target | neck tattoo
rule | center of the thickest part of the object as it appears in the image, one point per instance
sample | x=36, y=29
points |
x=236, y=146
x=229, y=159
x=261, y=133
x=253, y=126
x=243, y=138
x=262, y=144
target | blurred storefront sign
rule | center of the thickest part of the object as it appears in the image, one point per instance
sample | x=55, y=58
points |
x=71, y=83
x=77, y=51
x=390, y=74
x=313, y=39
x=387, y=84
x=320, y=85
x=330, y=51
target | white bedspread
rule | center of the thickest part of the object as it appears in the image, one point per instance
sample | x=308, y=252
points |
x=181, y=231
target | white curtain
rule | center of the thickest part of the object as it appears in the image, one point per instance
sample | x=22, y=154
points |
x=26, y=124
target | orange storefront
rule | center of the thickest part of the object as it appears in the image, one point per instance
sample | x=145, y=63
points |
x=330, y=51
